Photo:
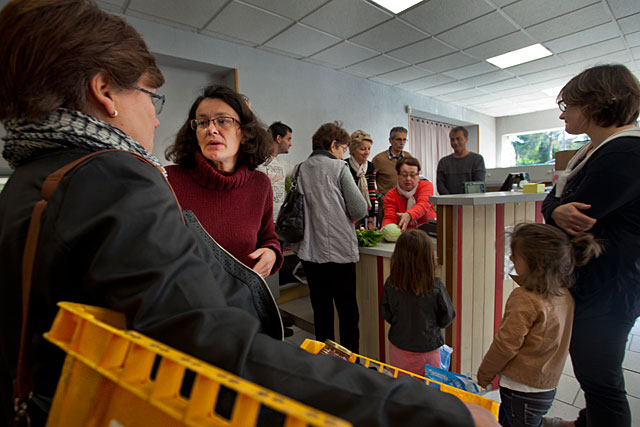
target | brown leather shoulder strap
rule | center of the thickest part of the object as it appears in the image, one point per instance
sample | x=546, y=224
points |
x=23, y=384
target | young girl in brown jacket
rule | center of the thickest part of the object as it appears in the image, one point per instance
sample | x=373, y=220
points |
x=532, y=342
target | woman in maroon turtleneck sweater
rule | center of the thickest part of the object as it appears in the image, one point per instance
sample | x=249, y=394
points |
x=216, y=152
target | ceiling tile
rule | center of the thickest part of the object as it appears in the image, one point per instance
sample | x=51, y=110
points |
x=257, y=26
x=279, y=52
x=344, y=54
x=425, y=82
x=485, y=79
x=523, y=90
x=390, y=35
x=583, y=38
x=421, y=51
x=504, y=85
x=345, y=18
x=633, y=39
x=478, y=31
x=383, y=81
x=446, y=88
x=527, y=12
x=116, y=6
x=471, y=70
x=573, y=22
x=622, y=8
x=553, y=73
x=302, y=40
x=356, y=73
x=294, y=9
x=501, y=45
x=476, y=99
x=465, y=94
x=537, y=65
x=378, y=65
x=621, y=57
x=405, y=74
x=193, y=14
x=449, y=62
x=635, y=51
x=594, y=50
x=503, y=3
x=630, y=24
x=436, y=16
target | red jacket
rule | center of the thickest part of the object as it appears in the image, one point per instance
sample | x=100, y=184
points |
x=420, y=212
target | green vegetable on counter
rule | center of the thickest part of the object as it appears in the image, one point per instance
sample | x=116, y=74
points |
x=391, y=232
x=368, y=238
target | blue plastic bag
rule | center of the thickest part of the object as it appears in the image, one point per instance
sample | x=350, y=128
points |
x=445, y=357
x=451, y=378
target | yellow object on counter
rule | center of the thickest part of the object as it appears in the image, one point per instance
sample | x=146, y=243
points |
x=533, y=188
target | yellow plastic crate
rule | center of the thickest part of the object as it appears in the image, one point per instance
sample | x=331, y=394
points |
x=314, y=347
x=107, y=380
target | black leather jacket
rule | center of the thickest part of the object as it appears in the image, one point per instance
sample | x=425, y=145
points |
x=112, y=236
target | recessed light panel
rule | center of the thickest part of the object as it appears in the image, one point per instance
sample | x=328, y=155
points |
x=520, y=56
x=396, y=6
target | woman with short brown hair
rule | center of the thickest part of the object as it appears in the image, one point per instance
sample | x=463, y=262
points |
x=599, y=193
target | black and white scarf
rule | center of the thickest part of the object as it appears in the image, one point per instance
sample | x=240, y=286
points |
x=65, y=128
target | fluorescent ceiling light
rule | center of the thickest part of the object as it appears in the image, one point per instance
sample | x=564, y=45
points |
x=552, y=91
x=520, y=56
x=396, y=6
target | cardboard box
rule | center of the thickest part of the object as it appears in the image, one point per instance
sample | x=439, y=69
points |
x=562, y=159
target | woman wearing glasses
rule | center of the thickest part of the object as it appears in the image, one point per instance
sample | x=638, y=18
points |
x=408, y=204
x=216, y=153
x=599, y=193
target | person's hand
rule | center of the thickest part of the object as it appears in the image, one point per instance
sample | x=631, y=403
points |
x=371, y=224
x=481, y=417
x=265, y=259
x=404, y=219
x=570, y=219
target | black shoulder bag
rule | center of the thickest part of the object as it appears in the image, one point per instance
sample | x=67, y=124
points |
x=290, y=222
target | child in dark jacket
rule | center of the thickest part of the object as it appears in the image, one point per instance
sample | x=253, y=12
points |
x=530, y=348
x=416, y=304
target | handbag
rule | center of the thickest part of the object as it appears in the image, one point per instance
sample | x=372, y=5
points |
x=290, y=222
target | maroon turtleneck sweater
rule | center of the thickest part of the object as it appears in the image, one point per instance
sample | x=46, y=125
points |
x=235, y=208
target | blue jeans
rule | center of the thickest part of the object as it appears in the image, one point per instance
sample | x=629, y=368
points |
x=519, y=409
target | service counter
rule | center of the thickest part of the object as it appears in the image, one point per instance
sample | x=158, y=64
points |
x=471, y=262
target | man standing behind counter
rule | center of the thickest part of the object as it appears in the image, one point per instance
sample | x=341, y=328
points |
x=385, y=162
x=461, y=166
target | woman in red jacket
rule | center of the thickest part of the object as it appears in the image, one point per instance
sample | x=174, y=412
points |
x=408, y=203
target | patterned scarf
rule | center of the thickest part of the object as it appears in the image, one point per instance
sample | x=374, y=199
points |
x=61, y=129
x=409, y=195
x=362, y=179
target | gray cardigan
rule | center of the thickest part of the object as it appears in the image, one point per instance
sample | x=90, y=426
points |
x=332, y=202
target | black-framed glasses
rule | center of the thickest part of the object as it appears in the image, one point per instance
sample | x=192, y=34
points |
x=222, y=123
x=156, y=100
x=562, y=105
x=400, y=139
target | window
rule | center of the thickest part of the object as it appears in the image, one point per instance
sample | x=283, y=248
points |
x=538, y=148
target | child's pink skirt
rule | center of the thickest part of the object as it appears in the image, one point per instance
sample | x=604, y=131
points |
x=413, y=362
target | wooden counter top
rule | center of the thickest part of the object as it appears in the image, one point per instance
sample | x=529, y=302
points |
x=487, y=198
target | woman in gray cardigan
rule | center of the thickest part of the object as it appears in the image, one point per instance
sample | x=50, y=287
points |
x=329, y=249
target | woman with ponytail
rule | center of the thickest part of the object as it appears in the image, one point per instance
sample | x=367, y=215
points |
x=530, y=348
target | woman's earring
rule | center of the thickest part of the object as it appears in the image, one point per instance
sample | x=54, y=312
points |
x=114, y=114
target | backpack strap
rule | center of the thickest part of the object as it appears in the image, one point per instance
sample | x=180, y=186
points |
x=23, y=384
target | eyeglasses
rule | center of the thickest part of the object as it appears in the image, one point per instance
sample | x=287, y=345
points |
x=409, y=175
x=156, y=100
x=221, y=123
x=562, y=105
x=400, y=139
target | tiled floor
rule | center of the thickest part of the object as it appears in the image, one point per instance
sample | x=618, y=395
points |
x=569, y=398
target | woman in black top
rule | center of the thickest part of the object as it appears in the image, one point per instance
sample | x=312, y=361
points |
x=600, y=193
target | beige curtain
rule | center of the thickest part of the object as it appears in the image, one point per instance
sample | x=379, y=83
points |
x=430, y=142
